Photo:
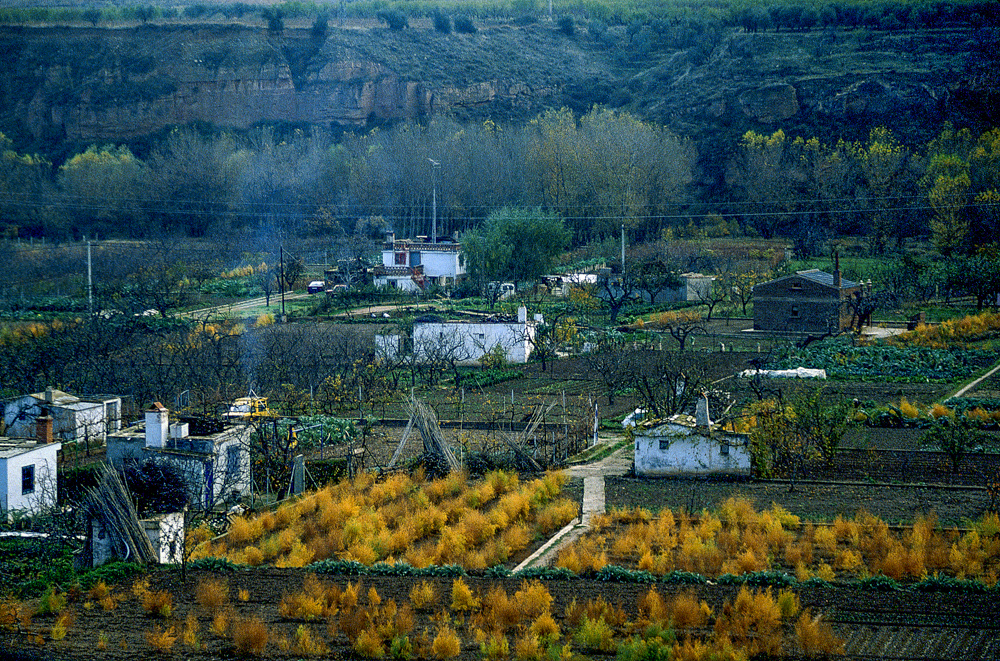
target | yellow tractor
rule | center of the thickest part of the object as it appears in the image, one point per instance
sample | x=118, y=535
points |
x=249, y=408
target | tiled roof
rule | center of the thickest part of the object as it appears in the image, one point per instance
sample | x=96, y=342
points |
x=824, y=278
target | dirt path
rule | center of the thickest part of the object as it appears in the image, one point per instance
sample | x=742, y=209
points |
x=617, y=463
x=961, y=391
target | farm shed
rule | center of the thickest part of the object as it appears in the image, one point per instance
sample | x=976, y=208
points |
x=684, y=444
x=215, y=460
x=74, y=418
x=810, y=301
x=28, y=472
x=466, y=341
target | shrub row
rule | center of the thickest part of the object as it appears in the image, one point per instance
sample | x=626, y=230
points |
x=609, y=573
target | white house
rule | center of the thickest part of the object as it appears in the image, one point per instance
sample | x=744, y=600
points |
x=467, y=341
x=686, y=445
x=412, y=265
x=28, y=471
x=215, y=460
x=74, y=418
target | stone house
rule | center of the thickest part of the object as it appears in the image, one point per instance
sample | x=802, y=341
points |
x=214, y=459
x=810, y=301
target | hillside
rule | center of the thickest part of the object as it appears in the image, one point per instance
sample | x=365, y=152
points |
x=94, y=84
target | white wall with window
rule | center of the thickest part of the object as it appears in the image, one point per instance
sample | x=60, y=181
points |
x=27, y=477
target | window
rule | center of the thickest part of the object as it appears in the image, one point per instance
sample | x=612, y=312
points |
x=400, y=259
x=664, y=444
x=724, y=449
x=796, y=285
x=795, y=311
x=28, y=479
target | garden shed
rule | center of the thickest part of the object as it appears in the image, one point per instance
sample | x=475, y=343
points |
x=810, y=301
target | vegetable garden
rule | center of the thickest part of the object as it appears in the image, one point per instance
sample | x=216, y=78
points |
x=408, y=518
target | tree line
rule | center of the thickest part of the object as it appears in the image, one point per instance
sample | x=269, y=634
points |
x=597, y=171
x=778, y=15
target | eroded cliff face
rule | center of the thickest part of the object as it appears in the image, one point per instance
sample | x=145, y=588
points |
x=112, y=85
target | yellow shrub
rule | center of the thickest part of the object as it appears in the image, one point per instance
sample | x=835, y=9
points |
x=250, y=635
x=941, y=411
x=161, y=640
x=533, y=598
x=816, y=637
x=545, y=627
x=422, y=595
x=908, y=410
x=446, y=644
x=462, y=598
x=211, y=593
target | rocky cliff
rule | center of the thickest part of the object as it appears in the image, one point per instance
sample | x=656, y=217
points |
x=111, y=85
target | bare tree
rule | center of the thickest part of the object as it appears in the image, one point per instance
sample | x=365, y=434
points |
x=667, y=382
x=609, y=359
x=712, y=295
x=680, y=325
x=617, y=291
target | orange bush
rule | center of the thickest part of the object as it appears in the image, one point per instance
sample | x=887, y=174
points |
x=250, y=635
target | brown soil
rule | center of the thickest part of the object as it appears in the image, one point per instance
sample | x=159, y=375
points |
x=817, y=502
x=900, y=619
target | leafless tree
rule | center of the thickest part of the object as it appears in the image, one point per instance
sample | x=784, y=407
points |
x=667, y=382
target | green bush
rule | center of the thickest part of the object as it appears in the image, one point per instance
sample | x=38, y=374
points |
x=442, y=22
x=394, y=19
x=464, y=25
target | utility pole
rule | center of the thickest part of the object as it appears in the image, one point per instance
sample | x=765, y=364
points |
x=90, y=283
x=281, y=279
x=435, y=166
x=623, y=249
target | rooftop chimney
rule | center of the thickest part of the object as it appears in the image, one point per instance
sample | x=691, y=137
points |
x=836, y=270
x=50, y=395
x=390, y=238
x=43, y=429
x=157, y=424
x=701, y=418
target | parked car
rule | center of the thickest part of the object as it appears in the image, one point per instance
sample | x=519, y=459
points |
x=316, y=287
x=500, y=290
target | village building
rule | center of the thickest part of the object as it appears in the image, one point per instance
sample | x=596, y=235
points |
x=213, y=457
x=74, y=418
x=810, y=301
x=465, y=341
x=414, y=265
x=691, y=287
x=28, y=472
x=683, y=444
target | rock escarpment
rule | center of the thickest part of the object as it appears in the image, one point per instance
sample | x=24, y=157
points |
x=83, y=84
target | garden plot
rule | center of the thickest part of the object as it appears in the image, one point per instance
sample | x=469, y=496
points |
x=817, y=502
x=273, y=613
x=402, y=517
x=737, y=539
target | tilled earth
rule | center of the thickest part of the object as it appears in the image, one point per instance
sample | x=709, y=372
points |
x=815, y=501
x=885, y=625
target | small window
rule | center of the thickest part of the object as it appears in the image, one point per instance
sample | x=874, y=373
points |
x=724, y=449
x=664, y=444
x=28, y=479
x=400, y=259
x=795, y=311
x=796, y=285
